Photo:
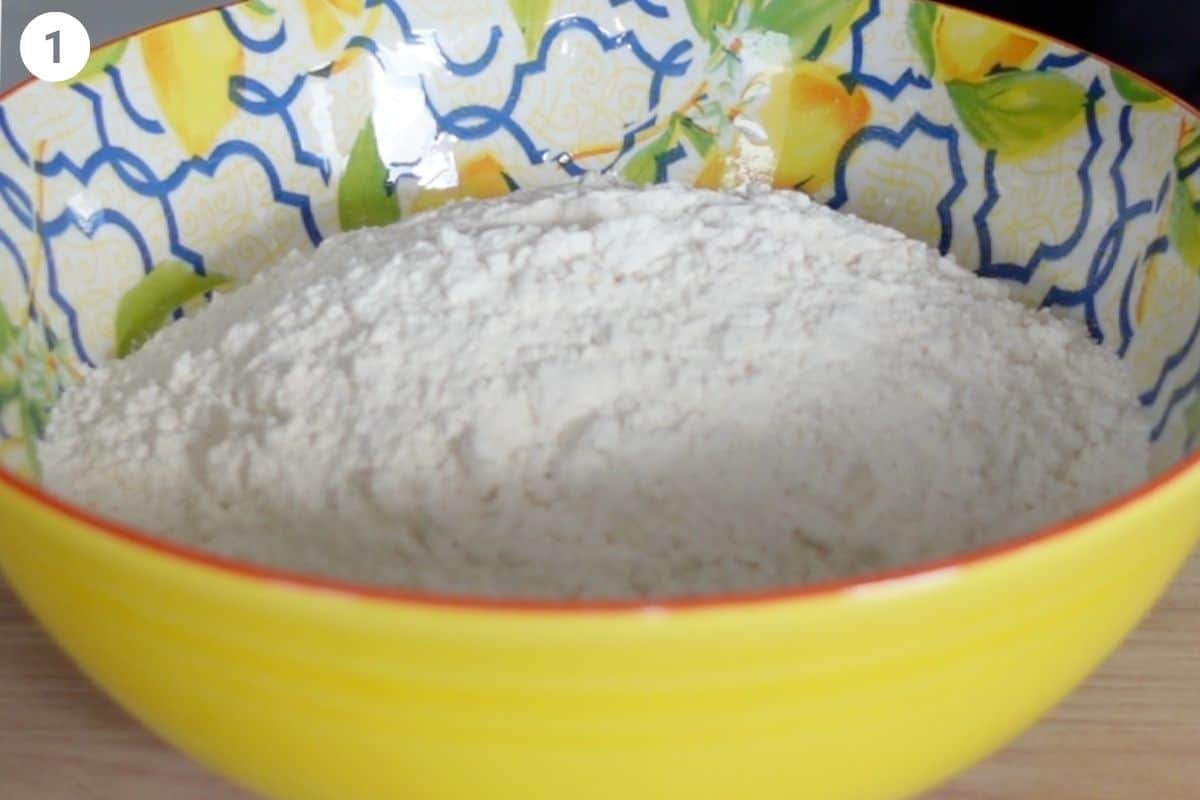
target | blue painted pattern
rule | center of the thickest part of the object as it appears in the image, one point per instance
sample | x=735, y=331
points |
x=1107, y=167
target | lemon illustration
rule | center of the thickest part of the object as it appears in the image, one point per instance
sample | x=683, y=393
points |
x=968, y=47
x=712, y=172
x=189, y=64
x=809, y=116
x=325, y=19
x=480, y=177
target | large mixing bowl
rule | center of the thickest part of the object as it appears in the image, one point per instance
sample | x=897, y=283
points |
x=223, y=140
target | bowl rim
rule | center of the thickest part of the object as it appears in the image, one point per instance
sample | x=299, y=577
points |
x=1077, y=525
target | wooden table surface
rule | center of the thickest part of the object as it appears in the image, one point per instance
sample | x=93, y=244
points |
x=1132, y=732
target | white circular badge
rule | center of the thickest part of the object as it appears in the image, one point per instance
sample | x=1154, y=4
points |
x=55, y=46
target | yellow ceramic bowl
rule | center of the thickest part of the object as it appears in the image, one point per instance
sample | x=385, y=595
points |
x=223, y=140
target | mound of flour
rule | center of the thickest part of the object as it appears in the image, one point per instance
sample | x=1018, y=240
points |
x=597, y=391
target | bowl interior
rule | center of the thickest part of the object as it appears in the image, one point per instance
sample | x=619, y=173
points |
x=219, y=142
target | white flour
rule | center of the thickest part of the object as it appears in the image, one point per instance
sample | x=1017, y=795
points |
x=598, y=391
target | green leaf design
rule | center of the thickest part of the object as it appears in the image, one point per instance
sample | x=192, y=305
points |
x=364, y=197
x=8, y=331
x=259, y=7
x=702, y=141
x=1188, y=154
x=1183, y=224
x=10, y=389
x=1191, y=418
x=642, y=168
x=100, y=59
x=809, y=24
x=144, y=309
x=1132, y=88
x=1014, y=113
x=33, y=419
x=30, y=385
x=531, y=16
x=921, y=16
x=10, y=385
x=33, y=425
x=707, y=15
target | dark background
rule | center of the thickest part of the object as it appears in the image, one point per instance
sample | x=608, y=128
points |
x=104, y=19
x=1159, y=39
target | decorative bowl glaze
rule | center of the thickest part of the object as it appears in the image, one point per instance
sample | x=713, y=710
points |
x=221, y=141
